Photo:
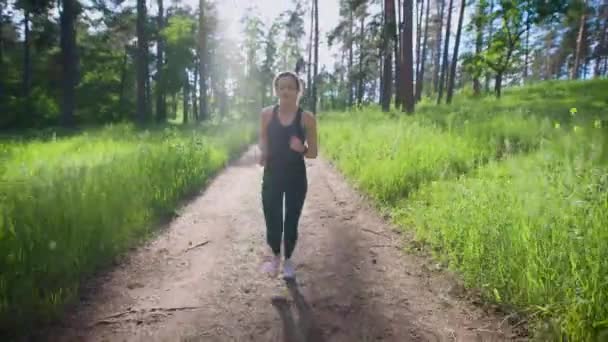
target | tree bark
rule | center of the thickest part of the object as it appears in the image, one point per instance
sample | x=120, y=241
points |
x=203, y=115
x=437, y=64
x=444, y=66
x=455, y=56
x=389, y=16
x=186, y=91
x=194, y=97
x=27, y=64
x=574, y=73
x=380, y=76
x=316, y=66
x=527, y=48
x=350, y=58
x=148, y=84
x=2, y=72
x=141, y=62
x=602, y=45
x=498, y=84
x=419, y=16
x=123, y=79
x=490, y=34
x=398, y=55
x=478, y=46
x=69, y=60
x=360, y=76
x=408, y=63
x=309, y=66
x=161, y=111
x=420, y=76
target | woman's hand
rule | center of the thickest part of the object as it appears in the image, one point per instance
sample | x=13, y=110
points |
x=296, y=144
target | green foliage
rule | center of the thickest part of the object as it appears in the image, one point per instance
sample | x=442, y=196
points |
x=511, y=194
x=180, y=47
x=69, y=206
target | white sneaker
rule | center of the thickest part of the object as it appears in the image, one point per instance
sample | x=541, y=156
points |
x=272, y=266
x=289, y=270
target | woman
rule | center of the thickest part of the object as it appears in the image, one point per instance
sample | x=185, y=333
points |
x=287, y=136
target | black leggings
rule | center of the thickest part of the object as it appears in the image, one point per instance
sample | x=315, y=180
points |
x=292, y=185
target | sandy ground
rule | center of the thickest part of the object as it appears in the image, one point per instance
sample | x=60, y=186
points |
x=200, y=278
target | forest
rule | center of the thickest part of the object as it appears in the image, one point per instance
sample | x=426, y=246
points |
x=480, y=126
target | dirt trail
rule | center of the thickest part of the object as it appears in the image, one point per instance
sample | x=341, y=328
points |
x=354, y=284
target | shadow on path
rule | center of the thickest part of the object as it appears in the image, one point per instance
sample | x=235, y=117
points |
x=306, y=328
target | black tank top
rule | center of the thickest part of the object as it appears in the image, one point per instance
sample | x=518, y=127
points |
x=280, y=154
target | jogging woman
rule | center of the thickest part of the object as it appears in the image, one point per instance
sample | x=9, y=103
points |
x=287, y=136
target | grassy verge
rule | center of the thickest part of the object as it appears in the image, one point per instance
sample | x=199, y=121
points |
x=511, y=194
x=70, y=206
x=531, y=232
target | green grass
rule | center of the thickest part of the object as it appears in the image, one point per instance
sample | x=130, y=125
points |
x=69, y=206
x=387, y=157
x=511, y=194
x=531, y=231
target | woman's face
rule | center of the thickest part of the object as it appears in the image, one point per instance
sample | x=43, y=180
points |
x=287, y=89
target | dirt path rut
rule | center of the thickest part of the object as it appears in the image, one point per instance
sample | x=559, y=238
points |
x=200, y=279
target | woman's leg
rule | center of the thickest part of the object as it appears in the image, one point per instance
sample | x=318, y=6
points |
x=272, y=202
x=295, y=194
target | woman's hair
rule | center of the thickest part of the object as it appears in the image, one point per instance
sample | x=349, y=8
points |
x=294, y=76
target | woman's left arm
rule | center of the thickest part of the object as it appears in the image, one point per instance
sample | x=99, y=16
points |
x=310, y=122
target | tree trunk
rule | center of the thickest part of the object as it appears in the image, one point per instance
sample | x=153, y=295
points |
x=408, y=63
x=161, y=111
x=444, y=66
x=316, y=66
x=194, y=97
x=186, y=99
x=69, y=60
x=490, y=33
x=455, y=56
x=389, y=28
x=437, y=64
x=419, y=16
x=478, y=46
x=223, y=101
x=498, y=84
x=148, y=85
x=602, y=47
x=27, y=64
x=174, y=105
x=527, y=48
x=380, y=76
x=574, y=73
x=2, y=72
x=263, y=91
x=420, y=76
x=350, y=59
x=398, y=55
x=123, y=79
x=203, y=115
x=360, y=78
x=141, y=62
x=309, y=66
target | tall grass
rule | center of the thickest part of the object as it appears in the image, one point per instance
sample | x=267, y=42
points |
x=69, y=206
x=390, y=159
x=531, y=231
x=512, y=194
